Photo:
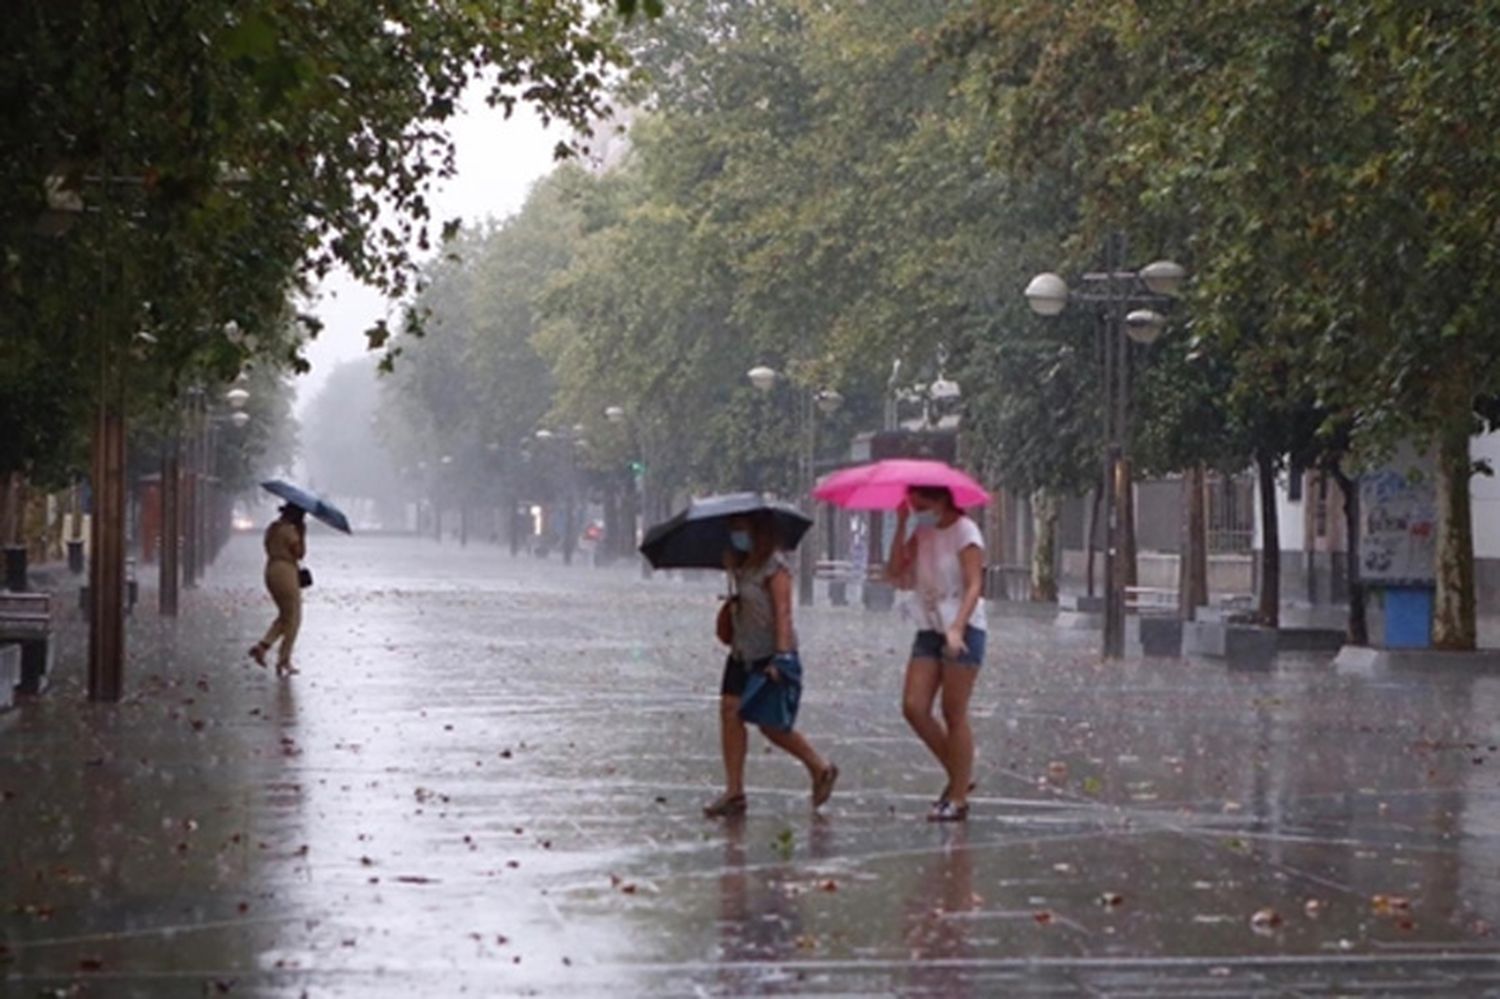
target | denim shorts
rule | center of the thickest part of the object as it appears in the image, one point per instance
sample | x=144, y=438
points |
x=929, y=645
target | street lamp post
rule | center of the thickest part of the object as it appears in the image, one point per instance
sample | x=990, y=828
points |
x=192, y=487
x=572, y=440
x=809, y=404
x=624, y=545
x=443, y=492
x=1127, y=301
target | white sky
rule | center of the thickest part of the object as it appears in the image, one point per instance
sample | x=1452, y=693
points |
x=498, y=161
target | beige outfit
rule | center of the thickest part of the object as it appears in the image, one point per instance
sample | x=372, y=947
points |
x=284, y=549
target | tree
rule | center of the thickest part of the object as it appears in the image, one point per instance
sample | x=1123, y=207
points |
x=1326, y=165
x=223, y=154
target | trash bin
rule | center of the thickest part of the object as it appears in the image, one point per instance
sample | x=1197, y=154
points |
x=1408, y=617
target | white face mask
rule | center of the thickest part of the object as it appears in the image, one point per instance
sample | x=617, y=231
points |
x=925, y=518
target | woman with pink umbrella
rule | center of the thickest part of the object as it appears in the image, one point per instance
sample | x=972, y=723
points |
x=943, y=562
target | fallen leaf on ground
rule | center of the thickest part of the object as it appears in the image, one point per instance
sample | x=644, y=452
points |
x=1265, y=919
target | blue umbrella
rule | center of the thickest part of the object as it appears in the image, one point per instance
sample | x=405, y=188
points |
x=319, y=508
x=698, y=537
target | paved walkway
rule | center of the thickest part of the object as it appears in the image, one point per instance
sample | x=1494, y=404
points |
x=486, y=781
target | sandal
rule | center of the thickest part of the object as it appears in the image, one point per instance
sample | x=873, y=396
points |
x=948, y=792
x=258, y=653
x=947, y=811
x=823, y=785
x=727, y=806
x=286, y=669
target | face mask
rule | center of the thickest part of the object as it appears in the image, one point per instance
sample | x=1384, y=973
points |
x=925, y=518
x=740, y=541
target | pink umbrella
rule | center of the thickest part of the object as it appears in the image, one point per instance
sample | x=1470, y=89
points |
x=883, y=484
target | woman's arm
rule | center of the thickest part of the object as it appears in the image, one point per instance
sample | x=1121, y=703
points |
x=299, y=546
x=971, y=560
x=780, y=585
x=903, y=553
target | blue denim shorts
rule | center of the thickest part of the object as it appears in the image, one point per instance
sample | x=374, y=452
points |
x=929, y=645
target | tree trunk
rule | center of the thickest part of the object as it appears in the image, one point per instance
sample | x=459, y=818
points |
x=1193, y=580
x=1358, y=629
x=1269, y=611
x=1453, y=624
x=1044, y=551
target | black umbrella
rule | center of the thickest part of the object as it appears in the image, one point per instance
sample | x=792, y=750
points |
x=698, y=537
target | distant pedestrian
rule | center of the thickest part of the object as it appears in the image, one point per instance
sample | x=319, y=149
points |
x=943, y=562
x=286, y=547
x=763, y=649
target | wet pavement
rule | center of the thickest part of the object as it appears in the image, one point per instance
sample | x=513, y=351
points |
x=487, y=780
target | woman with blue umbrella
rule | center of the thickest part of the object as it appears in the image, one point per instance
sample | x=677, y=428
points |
x=286, y=547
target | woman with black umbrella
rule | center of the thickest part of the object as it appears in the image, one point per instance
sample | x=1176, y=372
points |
x=763, y=650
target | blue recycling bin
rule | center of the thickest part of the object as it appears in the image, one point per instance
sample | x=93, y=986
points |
x=1408, y=617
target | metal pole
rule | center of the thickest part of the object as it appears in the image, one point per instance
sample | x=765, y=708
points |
x=206, y=488
x=1114, y=596
x=1107, y=480
x=191, y=497
x=570, y=485
x=807, y=563
x=171, y=527
x=642, y=504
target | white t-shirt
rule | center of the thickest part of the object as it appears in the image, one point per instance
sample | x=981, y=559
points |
x=940, y=574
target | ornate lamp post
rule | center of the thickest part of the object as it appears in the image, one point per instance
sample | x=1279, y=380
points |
x=810, y=403
x=1127, y=301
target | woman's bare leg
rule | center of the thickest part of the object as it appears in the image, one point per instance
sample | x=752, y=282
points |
x=272, y=634
x=291, y=625
x=796, y=744
x=735, y=742
x=958, y=687
x=923, y=678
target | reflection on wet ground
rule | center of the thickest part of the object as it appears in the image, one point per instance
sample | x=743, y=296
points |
x=487, y=778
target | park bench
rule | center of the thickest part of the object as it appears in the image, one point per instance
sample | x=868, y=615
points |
x=1157, y=600
x=1229, y=604
x=26, y=621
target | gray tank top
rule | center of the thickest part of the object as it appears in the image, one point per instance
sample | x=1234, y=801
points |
x=754, y=613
